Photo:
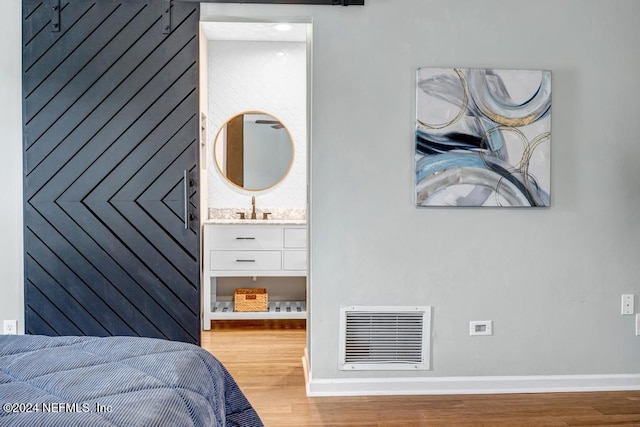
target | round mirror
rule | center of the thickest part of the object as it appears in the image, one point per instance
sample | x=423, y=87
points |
x=253, y=150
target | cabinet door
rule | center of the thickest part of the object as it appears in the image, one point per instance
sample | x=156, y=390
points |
x=295, y=260
x=110, y=107
x=295, y=238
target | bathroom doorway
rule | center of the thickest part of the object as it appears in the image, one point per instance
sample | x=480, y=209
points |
x=255, y=76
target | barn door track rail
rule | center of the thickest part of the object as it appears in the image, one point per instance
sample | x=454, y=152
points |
x=317, y=2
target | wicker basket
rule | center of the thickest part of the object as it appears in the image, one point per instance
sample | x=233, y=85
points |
x=250, y=299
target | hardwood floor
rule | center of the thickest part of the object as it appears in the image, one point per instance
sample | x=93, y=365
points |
x=265, y=360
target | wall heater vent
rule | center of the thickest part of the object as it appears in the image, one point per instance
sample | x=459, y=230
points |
x=385, y=338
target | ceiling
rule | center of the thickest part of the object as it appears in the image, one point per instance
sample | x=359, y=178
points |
x=253, y=31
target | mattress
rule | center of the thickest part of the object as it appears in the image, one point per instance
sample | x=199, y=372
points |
x=116, y=381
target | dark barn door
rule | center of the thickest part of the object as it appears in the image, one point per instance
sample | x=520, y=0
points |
x=110, y=107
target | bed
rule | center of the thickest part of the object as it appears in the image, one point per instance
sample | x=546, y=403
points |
x=116, y=381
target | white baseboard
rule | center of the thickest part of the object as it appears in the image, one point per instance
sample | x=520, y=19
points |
x=467, y=385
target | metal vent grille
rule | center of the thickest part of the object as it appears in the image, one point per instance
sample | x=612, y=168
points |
x=389, y=338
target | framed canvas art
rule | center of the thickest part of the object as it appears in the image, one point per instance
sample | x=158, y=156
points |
x=483, y=137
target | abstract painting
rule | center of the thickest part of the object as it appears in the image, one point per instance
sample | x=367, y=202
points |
x=483, y=137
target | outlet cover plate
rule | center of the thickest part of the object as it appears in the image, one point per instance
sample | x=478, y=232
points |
x=10, y=327
x=481, y=327
x=638, y=325
x=628, y=304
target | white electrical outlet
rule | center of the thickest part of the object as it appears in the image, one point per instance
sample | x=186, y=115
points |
x=10, y=327
x=638, y=325
x=481, y=327
x=628, y=304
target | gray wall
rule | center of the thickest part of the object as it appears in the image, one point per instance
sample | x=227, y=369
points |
x=11, y=277
x=550, y=279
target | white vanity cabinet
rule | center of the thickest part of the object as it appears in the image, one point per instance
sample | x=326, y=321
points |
x=253, y=249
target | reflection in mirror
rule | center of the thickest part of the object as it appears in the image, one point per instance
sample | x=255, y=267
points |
x=253, y=150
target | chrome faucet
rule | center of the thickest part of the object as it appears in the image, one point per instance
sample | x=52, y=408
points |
x=253, y=207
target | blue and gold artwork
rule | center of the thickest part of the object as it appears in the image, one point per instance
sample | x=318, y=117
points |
x=483, y=137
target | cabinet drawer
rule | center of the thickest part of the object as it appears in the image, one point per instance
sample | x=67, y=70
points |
x=245, y=260
x=246, y=237
x=295, y=260
x=295, y=238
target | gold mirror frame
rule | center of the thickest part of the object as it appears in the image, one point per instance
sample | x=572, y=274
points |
x=235, y=126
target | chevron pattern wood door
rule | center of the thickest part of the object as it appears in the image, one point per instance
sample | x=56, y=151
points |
x=110, y=107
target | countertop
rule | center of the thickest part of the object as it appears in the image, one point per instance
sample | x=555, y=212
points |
x=239, y=221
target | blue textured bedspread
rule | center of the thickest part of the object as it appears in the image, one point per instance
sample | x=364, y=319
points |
x=116, y=381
